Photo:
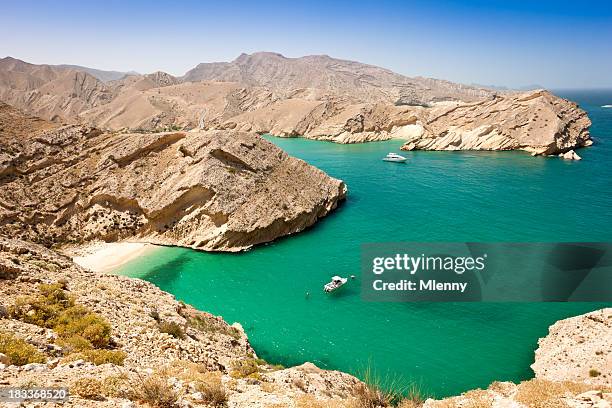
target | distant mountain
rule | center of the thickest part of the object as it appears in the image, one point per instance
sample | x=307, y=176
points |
x=104, y=76
x=530, y=87
x=318, y=97
x=49, y=91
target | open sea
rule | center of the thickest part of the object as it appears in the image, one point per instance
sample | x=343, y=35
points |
x=446, y=348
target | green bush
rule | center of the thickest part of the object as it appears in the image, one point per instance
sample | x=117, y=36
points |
x=245, y=368
x=88, y=388
x=594, y=373
x=173, y=329
x=212, y=326
x=19, y=351
x=42, y=310
x=74, y=344
x=80, y=321
x=99, y=357
x=78, y=328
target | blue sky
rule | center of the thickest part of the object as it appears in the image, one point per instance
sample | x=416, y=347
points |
x=557, y=44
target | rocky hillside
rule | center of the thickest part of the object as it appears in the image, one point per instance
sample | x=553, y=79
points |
x=317, y=97
x=121, y=342
x=215, y=190
x=50, y=92
x=536, y=121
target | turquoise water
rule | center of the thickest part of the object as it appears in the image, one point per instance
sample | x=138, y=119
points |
x=437, y=196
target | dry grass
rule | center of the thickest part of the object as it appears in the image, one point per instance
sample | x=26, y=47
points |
x=207, y=382
x=99, y=357
x=408, y=403
x=478, y=399
x=369, y=396
x=376, y=392
x=310, y=401
x=538, y=393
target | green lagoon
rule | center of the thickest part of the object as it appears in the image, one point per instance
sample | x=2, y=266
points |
x=436, y=196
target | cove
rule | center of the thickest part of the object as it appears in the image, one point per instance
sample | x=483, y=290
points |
x=447, y=348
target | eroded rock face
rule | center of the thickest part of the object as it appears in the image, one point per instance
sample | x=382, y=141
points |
x=538, y=122
x=216, y=190
x=577, y=349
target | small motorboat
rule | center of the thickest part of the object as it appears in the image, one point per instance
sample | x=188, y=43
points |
x=394, y=157
x=336, y=283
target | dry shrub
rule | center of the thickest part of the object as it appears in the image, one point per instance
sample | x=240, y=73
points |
x=42, y=310
x=155, y=391
x=116, y=386
x=210, y=325
x=78, y=327
x=212, y=389
x=248, y=367
x=172, y=328
x=88, y=388
x=19, y=351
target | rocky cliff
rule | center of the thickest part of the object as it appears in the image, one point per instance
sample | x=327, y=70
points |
x=317, y=97
x=577, y=349
x=215, y=190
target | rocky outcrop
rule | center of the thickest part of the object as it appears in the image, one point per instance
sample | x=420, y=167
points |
x=577, y=349
x=532, y=393
x=201, y=352
x=537, y=122
x=215, y=191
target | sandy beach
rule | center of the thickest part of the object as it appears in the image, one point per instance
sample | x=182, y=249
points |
x=105, y=256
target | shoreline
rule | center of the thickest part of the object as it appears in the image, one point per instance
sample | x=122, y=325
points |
x=105, y=257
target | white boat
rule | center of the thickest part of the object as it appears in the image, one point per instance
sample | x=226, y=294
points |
x=606, y=106
x=394, y=157
x=336, y=283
